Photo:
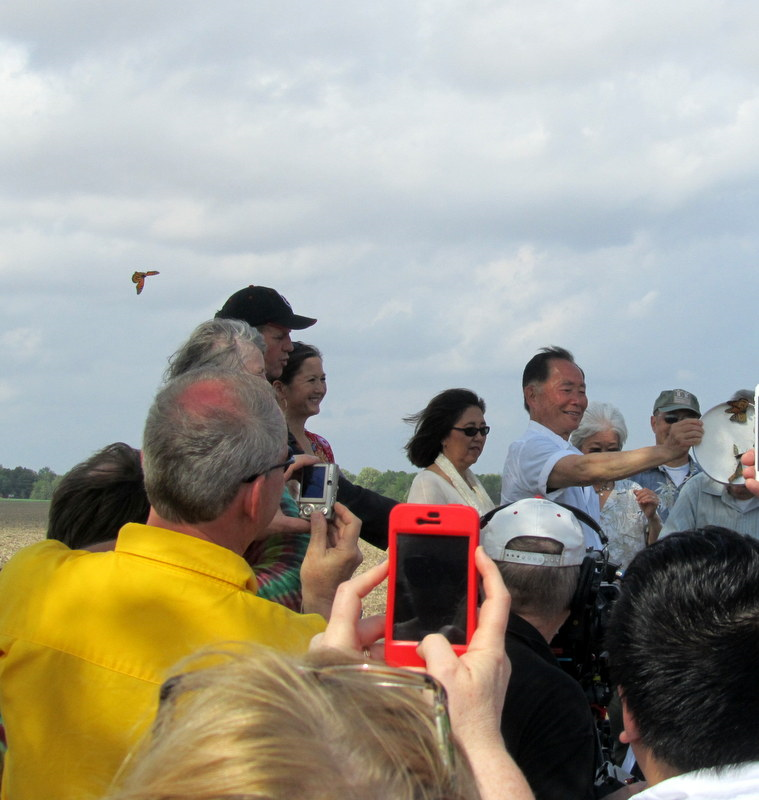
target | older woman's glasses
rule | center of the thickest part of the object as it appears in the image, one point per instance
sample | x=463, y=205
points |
x=473, y=430
x=377, y=674
x=395, y=678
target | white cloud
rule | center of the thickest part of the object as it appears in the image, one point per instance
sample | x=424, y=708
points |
x=447, y=186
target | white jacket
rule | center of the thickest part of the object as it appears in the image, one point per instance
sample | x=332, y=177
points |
x=733, y=783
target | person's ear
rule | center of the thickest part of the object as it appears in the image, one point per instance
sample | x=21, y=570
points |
x=253, y=496
x=653, y=422
x=279, y=390
x=630, y=733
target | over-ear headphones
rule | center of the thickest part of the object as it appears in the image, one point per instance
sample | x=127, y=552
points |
x=584, y=589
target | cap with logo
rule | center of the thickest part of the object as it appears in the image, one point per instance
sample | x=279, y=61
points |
x=260, y=305
x=534, y=517
x=676, y=400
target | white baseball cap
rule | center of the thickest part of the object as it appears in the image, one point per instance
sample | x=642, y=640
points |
x=534, y=516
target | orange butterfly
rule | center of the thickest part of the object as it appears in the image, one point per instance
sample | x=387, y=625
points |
x=737, y=409
x=139, y=279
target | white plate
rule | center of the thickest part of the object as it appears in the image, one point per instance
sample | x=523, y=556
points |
x=727, y=435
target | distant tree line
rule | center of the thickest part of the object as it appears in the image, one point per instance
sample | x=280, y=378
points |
x=396, y=484
x=26, y=484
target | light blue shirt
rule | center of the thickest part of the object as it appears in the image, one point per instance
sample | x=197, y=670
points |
x=530, y=461
x=703, y=501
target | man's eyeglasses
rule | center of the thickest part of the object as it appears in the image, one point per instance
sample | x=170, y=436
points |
x=283, y=466
x=473, y=430
x=396, y=678
x=671, y=417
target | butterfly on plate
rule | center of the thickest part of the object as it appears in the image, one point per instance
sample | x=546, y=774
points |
x=138, y=278
x=737, y=409
x=739, y=468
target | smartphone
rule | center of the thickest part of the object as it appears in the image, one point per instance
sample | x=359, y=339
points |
x=433, y=581
x=318, y=490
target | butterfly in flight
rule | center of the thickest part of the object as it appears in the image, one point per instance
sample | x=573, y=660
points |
x=737, y=409
x=138, y=278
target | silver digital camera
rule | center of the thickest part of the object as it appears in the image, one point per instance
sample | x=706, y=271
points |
x=318, y=490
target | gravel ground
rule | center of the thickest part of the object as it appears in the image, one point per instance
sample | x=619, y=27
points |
x=24, y=522
x=374, y=602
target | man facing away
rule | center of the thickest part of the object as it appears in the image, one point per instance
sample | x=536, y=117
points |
x=547, y=725
x=543, y=462
x=684, y=647
x=86, y=638
x=668, y=479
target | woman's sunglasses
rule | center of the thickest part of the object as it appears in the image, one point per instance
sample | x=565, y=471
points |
x=473, y=430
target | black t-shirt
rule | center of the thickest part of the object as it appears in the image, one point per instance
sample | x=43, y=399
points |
x=547, y=723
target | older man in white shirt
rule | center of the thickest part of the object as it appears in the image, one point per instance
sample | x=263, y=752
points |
x=543, y=462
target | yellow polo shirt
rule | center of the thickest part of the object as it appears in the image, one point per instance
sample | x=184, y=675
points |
x=86, y=639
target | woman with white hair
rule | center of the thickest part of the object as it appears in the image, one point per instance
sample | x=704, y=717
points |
x=628, y=511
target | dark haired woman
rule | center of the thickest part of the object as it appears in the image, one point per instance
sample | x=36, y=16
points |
x=301, y=389
x=448, y=439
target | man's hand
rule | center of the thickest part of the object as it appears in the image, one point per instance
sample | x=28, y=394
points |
x=332, y=557
x=300, y=460
x=683, y=435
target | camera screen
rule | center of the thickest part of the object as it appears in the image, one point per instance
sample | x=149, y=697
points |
x=430, y=587
x=312, y=485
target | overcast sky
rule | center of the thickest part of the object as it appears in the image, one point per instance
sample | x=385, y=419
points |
x=446, y=185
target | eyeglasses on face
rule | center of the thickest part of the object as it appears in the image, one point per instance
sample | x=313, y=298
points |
x=675, y=416
x=379, y=675
x=473, y=430
x=283, y=466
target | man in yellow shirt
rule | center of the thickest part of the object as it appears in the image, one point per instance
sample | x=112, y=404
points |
x=86, y=638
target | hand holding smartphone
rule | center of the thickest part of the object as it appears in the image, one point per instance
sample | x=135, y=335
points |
x=433, y=578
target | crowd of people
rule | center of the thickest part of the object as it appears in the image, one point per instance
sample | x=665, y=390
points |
x=183, y=633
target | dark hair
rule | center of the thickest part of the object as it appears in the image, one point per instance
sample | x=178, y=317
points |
x=538, y=367
x=301, y=351
x=684, y=647
x=95, y=498
x=435, y=421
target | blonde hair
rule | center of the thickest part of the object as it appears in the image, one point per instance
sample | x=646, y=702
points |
x=261, y=725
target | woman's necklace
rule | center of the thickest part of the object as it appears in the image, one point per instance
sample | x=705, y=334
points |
x=603, y=488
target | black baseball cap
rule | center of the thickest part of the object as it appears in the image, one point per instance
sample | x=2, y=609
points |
x=260, y=305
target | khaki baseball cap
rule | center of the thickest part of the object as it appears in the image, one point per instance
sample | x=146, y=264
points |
x=675, y=400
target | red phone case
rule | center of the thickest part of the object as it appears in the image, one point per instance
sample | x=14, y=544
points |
x=429, y=520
